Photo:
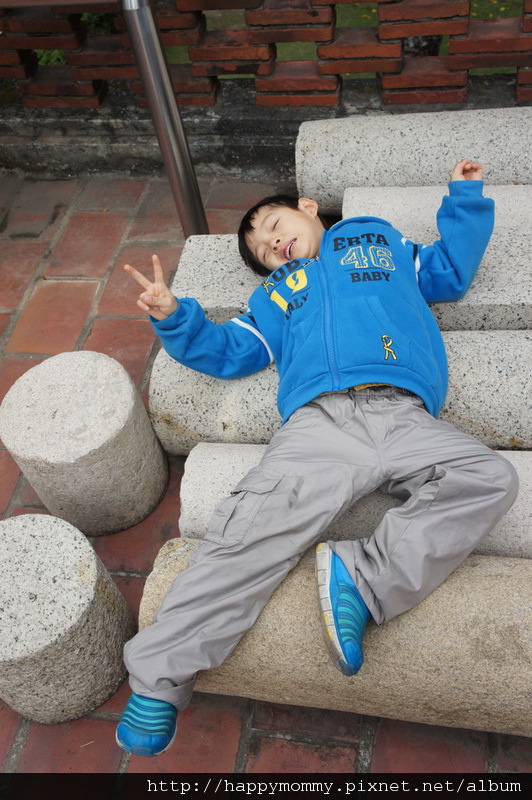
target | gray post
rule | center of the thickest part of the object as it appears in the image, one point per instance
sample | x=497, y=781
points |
x=153, y=70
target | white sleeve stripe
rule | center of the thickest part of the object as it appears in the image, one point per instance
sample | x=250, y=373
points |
x=417, y=260
x=257, y=334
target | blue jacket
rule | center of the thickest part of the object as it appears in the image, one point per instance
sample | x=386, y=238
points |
x=356, y=314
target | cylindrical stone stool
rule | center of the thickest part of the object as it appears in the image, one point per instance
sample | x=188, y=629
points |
x=63, y=622
x=79, y=431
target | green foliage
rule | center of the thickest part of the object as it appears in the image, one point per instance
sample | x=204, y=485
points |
x=99, y=24
x=49, y=58
x=177, y=54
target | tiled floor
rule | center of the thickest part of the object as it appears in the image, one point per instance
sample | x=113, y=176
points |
x=62, y=248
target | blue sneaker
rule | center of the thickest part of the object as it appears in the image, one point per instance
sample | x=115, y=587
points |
x=343, y=611
x=147, y=726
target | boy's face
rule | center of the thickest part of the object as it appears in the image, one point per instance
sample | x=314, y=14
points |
x=281, y=234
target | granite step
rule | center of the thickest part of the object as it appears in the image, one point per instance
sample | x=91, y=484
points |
x=461, y=658
x=213, y=470
x=488, y=396
x=410, y=150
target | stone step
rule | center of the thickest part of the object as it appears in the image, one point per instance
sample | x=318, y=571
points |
x=501, y=294
x=211, y=270
x=410, y=150
x=462, y=658
x=488, y=397
x=213, y=470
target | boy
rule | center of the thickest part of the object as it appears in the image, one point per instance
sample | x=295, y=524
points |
x=362, y=377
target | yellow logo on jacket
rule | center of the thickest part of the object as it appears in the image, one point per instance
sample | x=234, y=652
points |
x=387, y=341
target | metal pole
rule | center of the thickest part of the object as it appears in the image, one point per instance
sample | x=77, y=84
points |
x=153, y=70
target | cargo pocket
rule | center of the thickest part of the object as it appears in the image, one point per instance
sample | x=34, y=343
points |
x=234, y=516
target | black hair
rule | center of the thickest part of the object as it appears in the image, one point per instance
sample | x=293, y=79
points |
x=246, y=226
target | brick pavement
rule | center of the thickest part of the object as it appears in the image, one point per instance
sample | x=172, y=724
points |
x=62, y=247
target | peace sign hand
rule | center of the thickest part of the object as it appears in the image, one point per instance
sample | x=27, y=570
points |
x=157, y=299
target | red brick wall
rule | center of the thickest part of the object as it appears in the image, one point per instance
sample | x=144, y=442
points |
x=92, y=61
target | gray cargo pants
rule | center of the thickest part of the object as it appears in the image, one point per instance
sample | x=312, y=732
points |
x=330, y=453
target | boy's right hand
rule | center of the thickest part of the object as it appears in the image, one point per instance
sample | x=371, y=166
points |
x=157, y=299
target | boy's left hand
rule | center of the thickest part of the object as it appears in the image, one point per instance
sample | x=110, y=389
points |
x=467, y=170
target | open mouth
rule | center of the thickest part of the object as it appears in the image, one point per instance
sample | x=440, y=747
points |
x=287, y=250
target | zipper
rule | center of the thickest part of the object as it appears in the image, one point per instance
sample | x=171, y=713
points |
x=329, y=338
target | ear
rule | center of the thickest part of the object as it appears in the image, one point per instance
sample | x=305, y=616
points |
x=308, y=206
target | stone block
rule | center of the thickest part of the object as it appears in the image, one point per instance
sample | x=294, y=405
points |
x=214, y=5
x=431, y=27
x=63, y=622
x=78, y=429
x=288, y=12
x=423, y=72
x=211, y=270
x=523, y=94
x=463, y=664
x=489, y=382
x=291, y=33
x=409, y=150
x=524, y=76
x=414, y=96
x=53, y=41
x=483, y=60
x=416, y=10
x=295, y=76
x=496, y=299
x=102, y=51
x=214, y=68
x=341, y=66
x=183, y=38
x=59, y=80
x=349, y=43
x=488, y=396
x=229, y=46
x=213, y=470
x=493, y=36
x=35, y=20
x=187, y=407
x=168, y=18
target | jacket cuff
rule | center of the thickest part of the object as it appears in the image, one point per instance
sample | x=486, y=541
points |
x=466, y=188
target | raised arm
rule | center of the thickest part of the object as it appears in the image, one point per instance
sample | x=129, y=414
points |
x=465, y=221
x=228, y=350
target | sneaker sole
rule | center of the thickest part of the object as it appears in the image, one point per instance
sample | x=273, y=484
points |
x=323, y=573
